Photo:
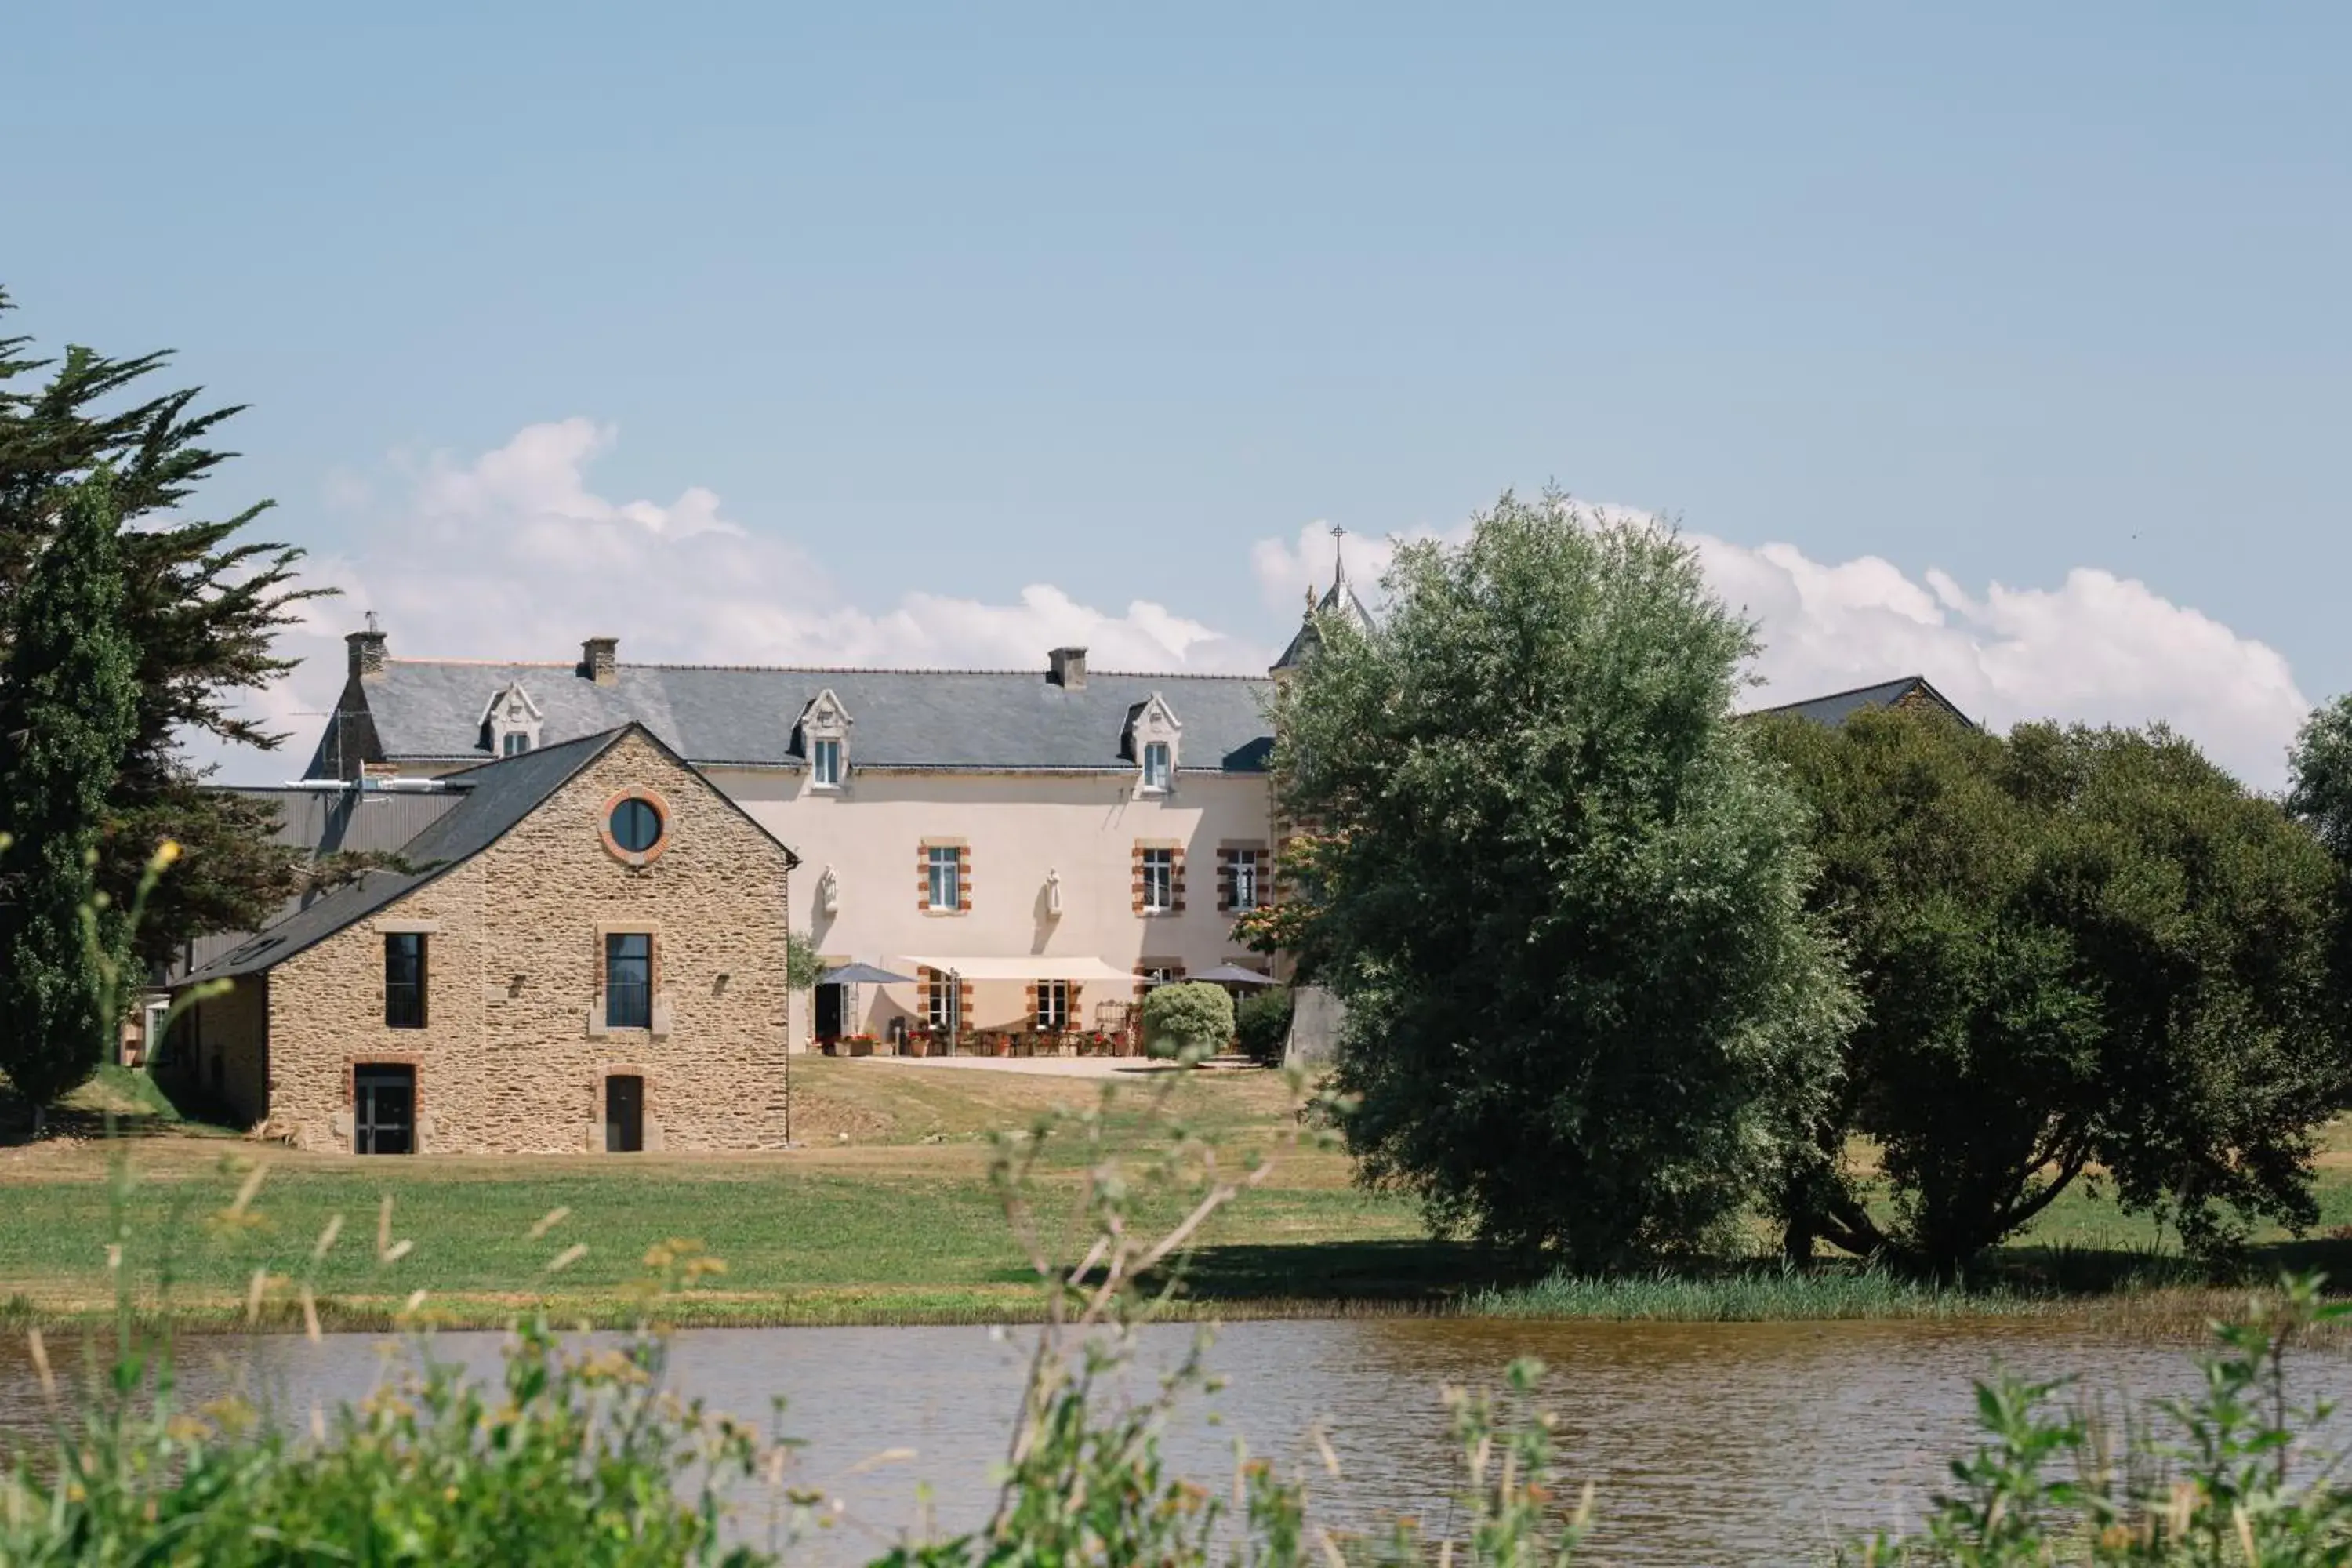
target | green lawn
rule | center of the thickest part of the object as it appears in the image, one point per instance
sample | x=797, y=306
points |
x=896, y=1219
x=888, y=1216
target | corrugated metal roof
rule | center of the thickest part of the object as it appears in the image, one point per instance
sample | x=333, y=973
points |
x=329, y=822
x=323, y=822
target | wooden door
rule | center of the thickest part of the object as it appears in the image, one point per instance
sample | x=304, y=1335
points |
x=624, y=1115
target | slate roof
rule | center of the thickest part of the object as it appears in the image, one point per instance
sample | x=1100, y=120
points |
x=497, y=795
x=429, y=710
x=1338, y=599
x=1839, y=706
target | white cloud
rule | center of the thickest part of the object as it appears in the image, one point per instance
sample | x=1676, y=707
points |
x=514, y=555
x=2096, y=647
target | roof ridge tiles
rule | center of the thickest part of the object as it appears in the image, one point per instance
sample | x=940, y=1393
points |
x=831, y=668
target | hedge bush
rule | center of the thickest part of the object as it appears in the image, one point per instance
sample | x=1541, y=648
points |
x=1189, y=1015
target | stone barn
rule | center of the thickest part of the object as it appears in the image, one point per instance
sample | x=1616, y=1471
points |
x=587, y=952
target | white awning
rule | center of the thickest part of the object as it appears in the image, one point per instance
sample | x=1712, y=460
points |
x=1025, y=966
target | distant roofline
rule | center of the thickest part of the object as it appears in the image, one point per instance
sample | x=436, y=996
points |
x=1851, y=691
x=1917, y=683
x=795, y=766
x=834, y=668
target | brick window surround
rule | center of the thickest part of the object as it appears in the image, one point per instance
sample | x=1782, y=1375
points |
x=933, y=982
x=636, y=859
x=1039, y=990
x=1231, y=855
x=923, y=875
x=1175, y=851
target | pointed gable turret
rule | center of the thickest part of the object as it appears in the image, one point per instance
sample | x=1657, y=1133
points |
x=1338, y=600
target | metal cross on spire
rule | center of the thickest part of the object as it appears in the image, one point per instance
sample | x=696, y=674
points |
x=1338, y=559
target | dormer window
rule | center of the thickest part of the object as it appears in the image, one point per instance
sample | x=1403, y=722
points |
x=821, y=735
x=510, y=722
x=1152, y=735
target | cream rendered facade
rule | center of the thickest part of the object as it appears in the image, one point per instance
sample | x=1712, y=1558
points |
x=862, y=845
x=1063, y=798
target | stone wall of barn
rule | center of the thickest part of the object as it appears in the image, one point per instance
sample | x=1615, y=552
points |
x=514, y=1053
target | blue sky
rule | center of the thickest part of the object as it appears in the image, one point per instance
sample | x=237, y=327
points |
x=942, y=304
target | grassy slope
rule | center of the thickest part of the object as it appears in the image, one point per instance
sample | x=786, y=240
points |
x=887, y=1215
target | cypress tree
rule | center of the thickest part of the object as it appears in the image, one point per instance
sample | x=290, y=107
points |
x=68, y=709
x=201, y=604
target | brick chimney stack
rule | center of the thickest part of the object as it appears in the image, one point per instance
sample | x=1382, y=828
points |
x=1066, y=667
x=366, y=649
x=600, y=659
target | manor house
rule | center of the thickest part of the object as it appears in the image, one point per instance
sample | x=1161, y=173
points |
x=1028, y=848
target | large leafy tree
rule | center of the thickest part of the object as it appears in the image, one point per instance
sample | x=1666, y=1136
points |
x=1562, y=900
x=2320, y=794
x=67, y=711
x=2079, y=950
x=201, y=606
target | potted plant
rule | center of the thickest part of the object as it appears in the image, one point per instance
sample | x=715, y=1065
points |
x=853, y=1045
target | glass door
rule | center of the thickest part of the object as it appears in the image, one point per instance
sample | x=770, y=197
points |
x=383, y=1110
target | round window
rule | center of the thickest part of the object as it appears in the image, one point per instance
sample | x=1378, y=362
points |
x=637, y=824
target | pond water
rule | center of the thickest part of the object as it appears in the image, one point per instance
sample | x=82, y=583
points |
x=1709, y=1443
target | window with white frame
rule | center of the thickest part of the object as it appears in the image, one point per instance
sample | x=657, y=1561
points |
x=514, y=743
x=1158, y=880
x=1243, y=871
x=1157, y=771
x=824, y=763
x=1053, y=1006
x=942, y=996
x=943, y=863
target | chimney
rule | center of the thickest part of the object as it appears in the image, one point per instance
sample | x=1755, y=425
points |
x=1066, y=667
x=366, y=649
x=600, y=659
